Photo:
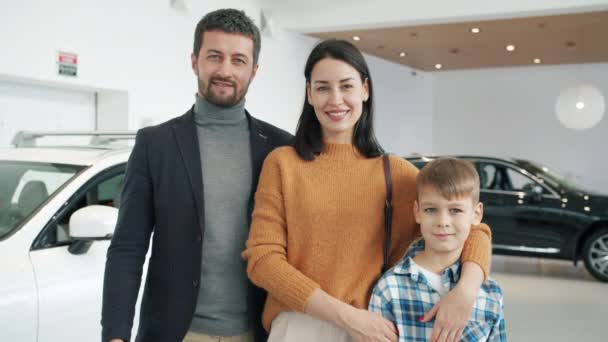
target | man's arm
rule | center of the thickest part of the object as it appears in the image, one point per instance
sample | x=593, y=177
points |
x=127, y=251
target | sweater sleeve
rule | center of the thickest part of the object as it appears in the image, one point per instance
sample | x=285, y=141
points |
x=478, y=248
x=266, y=247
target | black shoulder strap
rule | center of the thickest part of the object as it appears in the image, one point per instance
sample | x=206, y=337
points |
x=388, y=211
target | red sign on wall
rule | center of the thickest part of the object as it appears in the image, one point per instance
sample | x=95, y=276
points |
x=67, y=63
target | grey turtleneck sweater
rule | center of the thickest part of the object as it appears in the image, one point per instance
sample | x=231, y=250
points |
x=223, y=136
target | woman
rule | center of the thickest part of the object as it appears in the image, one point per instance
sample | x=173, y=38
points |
x=317, y=231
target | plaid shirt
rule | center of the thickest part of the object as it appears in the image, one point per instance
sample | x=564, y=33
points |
x=403, y=294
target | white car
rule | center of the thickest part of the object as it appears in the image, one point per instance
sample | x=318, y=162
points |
x=57, y=215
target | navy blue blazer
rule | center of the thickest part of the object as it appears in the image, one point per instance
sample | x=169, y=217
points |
x=163, y=193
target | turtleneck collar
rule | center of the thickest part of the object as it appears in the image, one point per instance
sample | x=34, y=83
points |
x=341, y=151
x=206, y=112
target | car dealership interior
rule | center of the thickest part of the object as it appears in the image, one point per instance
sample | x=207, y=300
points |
x=518, y=88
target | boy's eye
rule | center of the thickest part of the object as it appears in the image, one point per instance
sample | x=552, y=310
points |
x=455, y=211
x=430, y=210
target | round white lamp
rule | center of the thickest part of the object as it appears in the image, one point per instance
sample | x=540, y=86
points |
x=581, y=107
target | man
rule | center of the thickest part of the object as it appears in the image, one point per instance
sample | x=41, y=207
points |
x=191, y=181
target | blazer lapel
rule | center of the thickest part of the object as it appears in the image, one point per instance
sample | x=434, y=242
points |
x=187, y=141
x=260, y=147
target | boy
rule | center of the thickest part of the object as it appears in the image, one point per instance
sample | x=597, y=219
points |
x=448, y=204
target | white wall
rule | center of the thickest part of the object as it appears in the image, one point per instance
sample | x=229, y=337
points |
x=511, y=112
x=403, y=107
x=141, y=51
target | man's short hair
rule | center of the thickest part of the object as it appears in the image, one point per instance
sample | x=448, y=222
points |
x=453, y=178
x=228, y=20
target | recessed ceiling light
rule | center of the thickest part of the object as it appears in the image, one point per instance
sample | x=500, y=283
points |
x=356, y=38
x=537, y=61
x=580, y=105
x=402, y=54
x=510, y=47
x=475, y=30
x=438, y=66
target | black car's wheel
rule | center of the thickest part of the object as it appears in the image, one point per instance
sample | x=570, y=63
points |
x=595, y=254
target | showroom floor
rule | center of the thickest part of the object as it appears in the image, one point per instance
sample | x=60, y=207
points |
x=550, y=300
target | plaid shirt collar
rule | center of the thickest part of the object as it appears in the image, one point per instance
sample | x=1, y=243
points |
x=406, y=268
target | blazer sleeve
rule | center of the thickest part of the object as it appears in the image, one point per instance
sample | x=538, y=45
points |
x=127, y=251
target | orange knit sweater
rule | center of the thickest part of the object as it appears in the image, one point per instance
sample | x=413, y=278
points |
x=319, y=224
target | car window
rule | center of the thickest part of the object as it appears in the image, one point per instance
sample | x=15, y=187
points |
x=105, y=190
x=518, y=181
x=25, y=186
x=487, y=174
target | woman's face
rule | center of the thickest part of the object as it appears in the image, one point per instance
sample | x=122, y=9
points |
x=337, y=93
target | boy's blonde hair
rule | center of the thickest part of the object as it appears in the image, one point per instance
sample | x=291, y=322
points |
x=453, y=178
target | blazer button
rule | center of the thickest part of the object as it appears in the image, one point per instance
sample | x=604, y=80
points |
x=195, y=283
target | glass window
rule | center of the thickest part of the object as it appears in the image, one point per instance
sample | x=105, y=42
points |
x=518, y=181
x=25, y=186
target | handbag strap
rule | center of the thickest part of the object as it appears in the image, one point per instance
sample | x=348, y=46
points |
x=388, y=211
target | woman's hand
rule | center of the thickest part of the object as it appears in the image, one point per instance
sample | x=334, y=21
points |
x=451, y=314
x=365, y=326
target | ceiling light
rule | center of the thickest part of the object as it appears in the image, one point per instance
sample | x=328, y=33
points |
x=402, y=54
x=580, y=105
x=510, y=47
x=537, y=61
x=356, y=38
x=438, y=66
x=475, y=30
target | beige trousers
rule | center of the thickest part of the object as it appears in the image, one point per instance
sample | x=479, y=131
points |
x=199, y=337
x=291, y=326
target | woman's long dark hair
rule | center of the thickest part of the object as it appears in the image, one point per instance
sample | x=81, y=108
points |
x=308, y=141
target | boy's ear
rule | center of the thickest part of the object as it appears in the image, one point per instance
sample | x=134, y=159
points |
x=416, y=211
x=478, y=213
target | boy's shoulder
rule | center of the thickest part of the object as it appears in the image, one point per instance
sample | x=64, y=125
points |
x=398, y=276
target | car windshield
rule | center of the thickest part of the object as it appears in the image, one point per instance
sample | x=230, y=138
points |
x=548, y=176
x=25, y=186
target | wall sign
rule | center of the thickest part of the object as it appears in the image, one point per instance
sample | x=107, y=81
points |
x=67, y=63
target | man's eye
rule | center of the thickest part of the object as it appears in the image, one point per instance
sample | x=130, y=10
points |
x=239, y=62
x=322, y=88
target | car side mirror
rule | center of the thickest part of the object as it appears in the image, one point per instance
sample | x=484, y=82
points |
x=534, y=192
x=89, y=224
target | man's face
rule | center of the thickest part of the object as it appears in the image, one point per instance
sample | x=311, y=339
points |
x=224, y=67
x=445, y=223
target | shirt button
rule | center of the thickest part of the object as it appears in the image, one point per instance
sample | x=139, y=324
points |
x=195, y=283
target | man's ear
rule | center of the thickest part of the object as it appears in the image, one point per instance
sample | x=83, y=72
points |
x=194, y=60
x=478, y=213
x=254, y=72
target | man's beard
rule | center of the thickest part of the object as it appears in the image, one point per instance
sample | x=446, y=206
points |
x=221, y=101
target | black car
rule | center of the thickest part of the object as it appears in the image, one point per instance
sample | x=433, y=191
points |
x=533, y=212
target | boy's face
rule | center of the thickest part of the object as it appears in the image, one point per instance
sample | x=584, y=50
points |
x=445, y=224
